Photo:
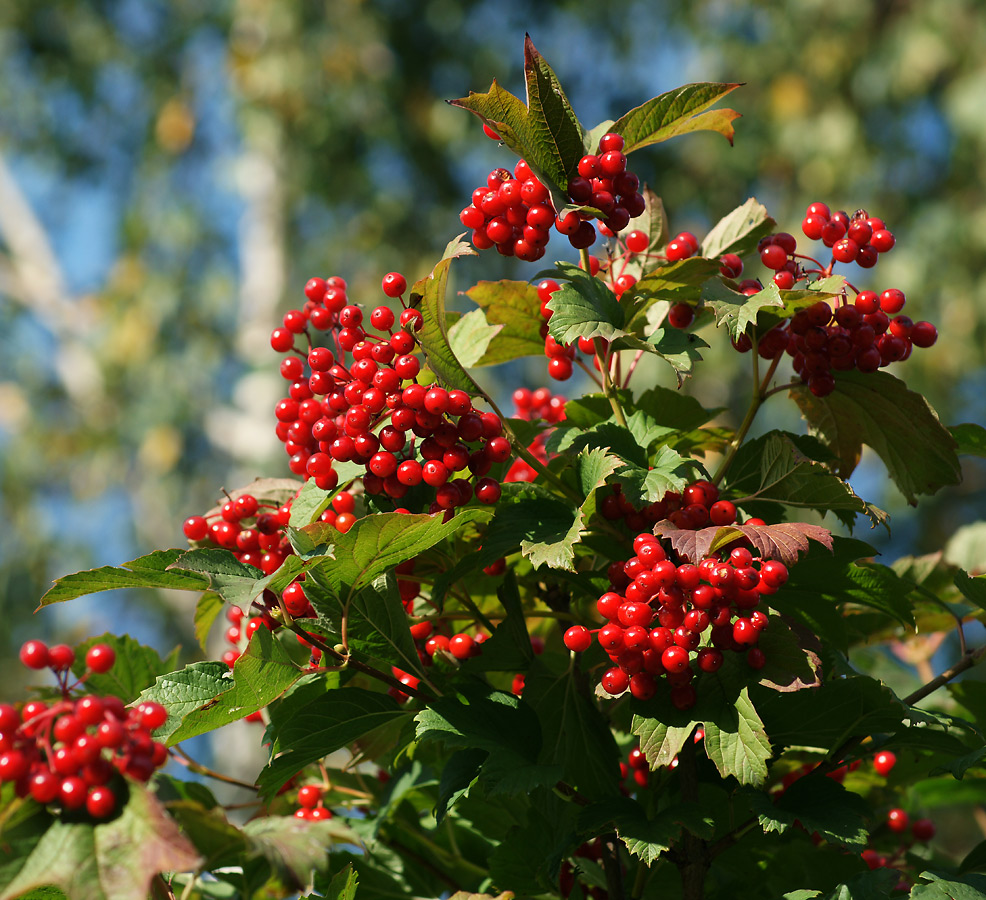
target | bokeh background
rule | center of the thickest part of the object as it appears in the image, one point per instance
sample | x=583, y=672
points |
x=172, y=172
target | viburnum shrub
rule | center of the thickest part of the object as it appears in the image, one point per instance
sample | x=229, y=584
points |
x=611, y=646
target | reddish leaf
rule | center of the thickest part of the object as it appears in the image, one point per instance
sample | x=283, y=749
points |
x=784, y=542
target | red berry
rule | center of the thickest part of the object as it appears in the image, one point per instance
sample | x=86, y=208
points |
x=577, y=638
x=897, y=820
x=394, y=284
x=61, y=657
x=637, y=241
x=923, y=829
x=615, y=681
x=100, y=658
x=100, y=802
x=152, y=715
x=309, y=796
x=34, y=654
x=462, y=646
x=884, y=761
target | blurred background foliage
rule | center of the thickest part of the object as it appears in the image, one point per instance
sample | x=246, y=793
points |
x=172, y=172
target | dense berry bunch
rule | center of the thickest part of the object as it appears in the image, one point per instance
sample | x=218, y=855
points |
x=533, y=406
x=673, y=620
x=68, y=753
x=253, y=531
x=865, y=333
x=514, y=213
x=360, y=401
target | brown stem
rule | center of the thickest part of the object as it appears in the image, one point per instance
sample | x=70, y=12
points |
x=966, y=662
x=612, y=865
x=181, y=757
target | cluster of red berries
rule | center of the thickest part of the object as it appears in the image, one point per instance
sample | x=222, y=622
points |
x=672, y=619
x=311, y=806
x=859, y=335
x=255, y=532
x=68, y=752
x=364, y=411
x=697, y=506
x=514, y=213
x=532, y=406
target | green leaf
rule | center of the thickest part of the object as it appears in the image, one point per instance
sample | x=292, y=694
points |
x=833, y=712
x=737, y=743
x=773, y=469
x=328, y=722
x=203, y=697
x=235, y=582
x=576, y=736
x=470, y=337
x=677, y=112
x=377, y=543
x=509, y=648
x=115, y=860
x=898, y=424
x=151, y=571
x=135, y=668
x=584, y=308
x=974, y=859
x=820, y=804
x=972, y=588
x=970, y=439
x=545, y=131
x=428, y=295
x=678, y=282
x=557, y=134
x=679, y=349
x=515, y=308
x=971, y=887
x=377, y=621
x=670, y=471
x=675, y=410
x=207, y=610
x=659, y=741
x=343, y=885
x=738, y=311
x=739, y=231
x=793, y=660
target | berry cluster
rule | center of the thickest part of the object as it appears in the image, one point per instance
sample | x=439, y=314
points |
x=700, y=611
x=253, y=531
x=310, y=804
x=514, y=213
x=697, y=506
x=867, y=334
x=68, y=752
x=533, y=406
x=363, y=409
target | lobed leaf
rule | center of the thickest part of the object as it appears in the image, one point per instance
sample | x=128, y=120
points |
x=900, y=425
x=785, y=541
x=821, y=805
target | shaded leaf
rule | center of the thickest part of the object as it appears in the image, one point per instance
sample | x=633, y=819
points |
x=820, y=804
x=793, y=660
x=135, y=668
x=329, y=721
x=677, y=282
x=898, y=424
x=969, y=438
x=207, y=610
x=773, y=469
